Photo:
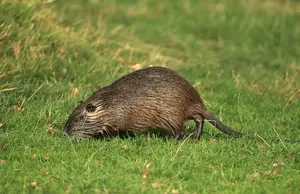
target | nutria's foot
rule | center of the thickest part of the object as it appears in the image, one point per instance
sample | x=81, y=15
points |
x=177, y=137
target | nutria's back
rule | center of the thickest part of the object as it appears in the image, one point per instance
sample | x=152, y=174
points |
x=154, y=97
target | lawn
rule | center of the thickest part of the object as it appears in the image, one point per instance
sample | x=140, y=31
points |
x=242, y=56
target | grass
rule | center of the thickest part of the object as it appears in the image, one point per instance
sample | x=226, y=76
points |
x=243, y=56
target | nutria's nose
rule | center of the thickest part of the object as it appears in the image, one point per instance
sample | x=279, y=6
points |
x=68, y=126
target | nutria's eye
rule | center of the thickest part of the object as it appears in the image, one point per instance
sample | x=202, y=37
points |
x=90, y=108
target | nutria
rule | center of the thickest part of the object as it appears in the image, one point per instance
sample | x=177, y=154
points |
x=150, y=98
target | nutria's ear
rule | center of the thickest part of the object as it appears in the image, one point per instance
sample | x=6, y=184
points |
x=80, y=102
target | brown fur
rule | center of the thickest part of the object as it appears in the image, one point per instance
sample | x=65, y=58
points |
x=154, y=97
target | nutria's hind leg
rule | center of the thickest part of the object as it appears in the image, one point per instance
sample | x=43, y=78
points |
x=199, y=119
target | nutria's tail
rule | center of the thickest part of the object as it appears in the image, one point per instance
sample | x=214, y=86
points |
x=218, y=124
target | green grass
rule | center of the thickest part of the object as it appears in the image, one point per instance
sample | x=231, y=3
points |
x=243, y=56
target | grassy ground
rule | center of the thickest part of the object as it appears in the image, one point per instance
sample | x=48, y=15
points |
x=243, y=56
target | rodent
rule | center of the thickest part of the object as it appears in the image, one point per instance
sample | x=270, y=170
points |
x=149, y=98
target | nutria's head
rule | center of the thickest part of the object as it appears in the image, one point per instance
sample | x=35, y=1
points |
x=86, y=121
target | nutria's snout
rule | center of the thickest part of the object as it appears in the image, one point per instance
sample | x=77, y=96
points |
x=84, y=122
x=77, y=130
x=68, y=126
